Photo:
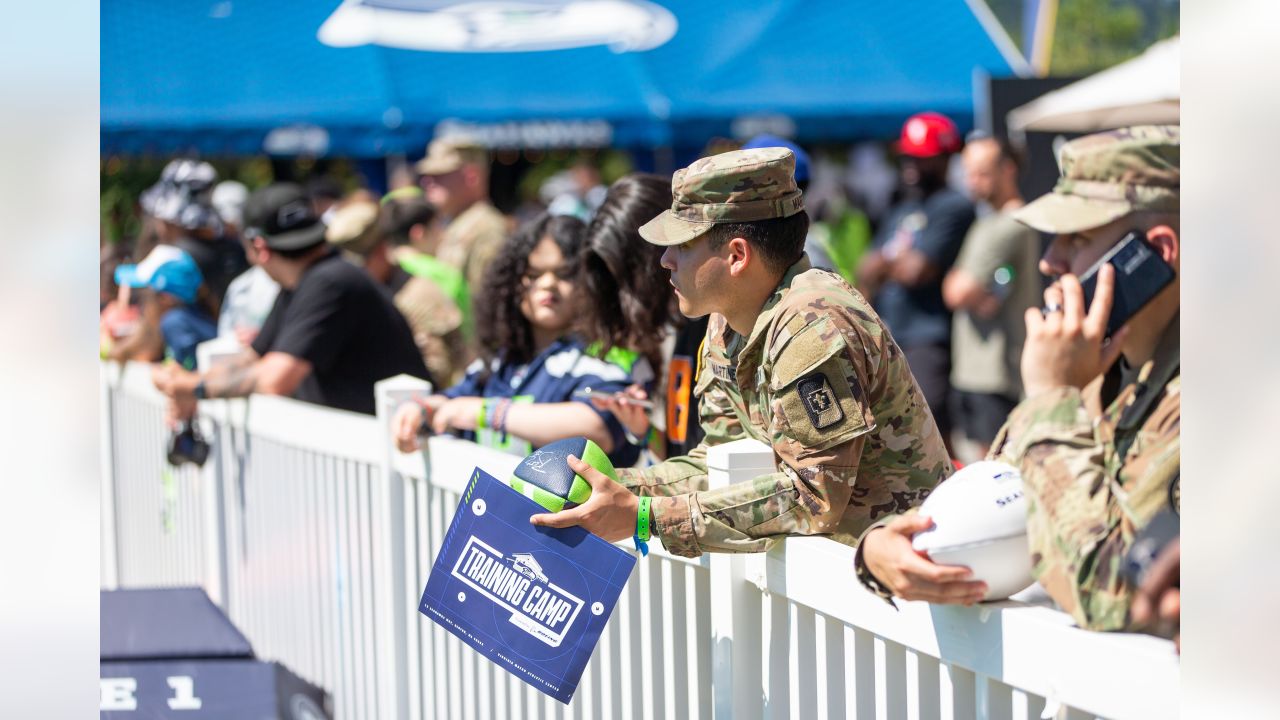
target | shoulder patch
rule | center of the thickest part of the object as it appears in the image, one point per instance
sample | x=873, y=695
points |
x=819, y=400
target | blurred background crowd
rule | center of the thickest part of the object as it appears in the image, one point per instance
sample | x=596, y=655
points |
x=504, y=237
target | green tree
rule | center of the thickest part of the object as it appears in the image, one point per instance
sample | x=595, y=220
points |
x=1094, y=34
x=1091, y=35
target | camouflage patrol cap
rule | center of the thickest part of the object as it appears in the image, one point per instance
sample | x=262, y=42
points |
x=444, y=155
x=738, y=186
x=354, y=229
x=1108, y=175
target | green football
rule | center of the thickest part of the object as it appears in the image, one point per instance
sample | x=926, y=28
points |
x=546, y=478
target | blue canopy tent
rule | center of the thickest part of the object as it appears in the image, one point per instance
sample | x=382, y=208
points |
x=370, y=78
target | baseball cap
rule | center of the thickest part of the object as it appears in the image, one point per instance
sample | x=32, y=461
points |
x=444, y=155
x=228, y=199
x=183, y=207
x=281, y=213
x=354, y=228
x=192, y=177
x=737, y=186
x=802, y=157
x=1108, y=175
x=928, y=134
x=166, y=269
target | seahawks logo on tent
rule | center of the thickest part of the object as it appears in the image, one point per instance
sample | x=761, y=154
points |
x=499, y=26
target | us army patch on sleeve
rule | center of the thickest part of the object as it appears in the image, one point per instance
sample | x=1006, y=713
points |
x=819, y=401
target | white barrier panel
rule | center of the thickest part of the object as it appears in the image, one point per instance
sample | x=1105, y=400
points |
x=317, y=538
x=652, y=660
x=160, y=532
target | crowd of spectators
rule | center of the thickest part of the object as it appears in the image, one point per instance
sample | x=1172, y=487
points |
x=326, y=292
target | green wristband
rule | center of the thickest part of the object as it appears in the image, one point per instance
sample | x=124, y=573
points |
x=480, y=416
x=644, y=519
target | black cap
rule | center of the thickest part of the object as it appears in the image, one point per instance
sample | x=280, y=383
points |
x=282, y=215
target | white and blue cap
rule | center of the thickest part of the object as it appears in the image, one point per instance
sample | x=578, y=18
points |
x=166, y=269
x=767, y=141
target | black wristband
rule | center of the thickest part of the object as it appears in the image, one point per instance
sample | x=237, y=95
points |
x=199, y=391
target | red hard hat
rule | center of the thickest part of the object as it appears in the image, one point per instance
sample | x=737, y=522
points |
x=927, y=134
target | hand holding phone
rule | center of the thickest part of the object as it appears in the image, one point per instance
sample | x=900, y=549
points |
x=602, y=395
x=1080, y=332
x=1140, y=275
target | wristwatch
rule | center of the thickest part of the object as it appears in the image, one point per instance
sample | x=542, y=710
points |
x=199, y=390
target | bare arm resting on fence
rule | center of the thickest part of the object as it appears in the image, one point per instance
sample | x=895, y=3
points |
x=537, y=423
x=275, y=373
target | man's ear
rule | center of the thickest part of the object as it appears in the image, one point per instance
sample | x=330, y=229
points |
x=739, y=254
x=261, y=250
x=1166, y=242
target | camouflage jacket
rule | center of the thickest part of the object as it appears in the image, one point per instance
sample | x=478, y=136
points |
x=437, y=325
x=472, y=240
x=821, y=380
x=1093, y=476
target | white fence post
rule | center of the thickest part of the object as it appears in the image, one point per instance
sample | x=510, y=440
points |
x=109, y=552
x=215, y=473
x=213, y=509
x=736, y=680
x=397, y=570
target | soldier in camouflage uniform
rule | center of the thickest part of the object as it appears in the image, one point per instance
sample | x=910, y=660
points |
x=793, y=357
x=455, y=178
x=1097, y=438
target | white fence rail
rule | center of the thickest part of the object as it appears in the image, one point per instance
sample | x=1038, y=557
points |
x=317, y=538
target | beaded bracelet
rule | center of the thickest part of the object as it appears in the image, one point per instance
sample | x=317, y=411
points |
x=500, y=415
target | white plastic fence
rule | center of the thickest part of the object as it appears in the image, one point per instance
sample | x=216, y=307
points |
x=317, y=537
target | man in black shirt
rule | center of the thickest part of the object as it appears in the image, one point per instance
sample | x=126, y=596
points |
x=331, y=335
x=918, y=242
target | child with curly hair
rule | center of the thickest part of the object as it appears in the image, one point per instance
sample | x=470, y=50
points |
x=524, y=392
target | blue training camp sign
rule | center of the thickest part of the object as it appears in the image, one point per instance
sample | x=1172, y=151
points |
x=533, y=600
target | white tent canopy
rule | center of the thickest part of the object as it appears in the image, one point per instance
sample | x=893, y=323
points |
x=1144, y=90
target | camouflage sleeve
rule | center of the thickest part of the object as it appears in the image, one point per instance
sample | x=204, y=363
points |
x=673, y=476
x=818, y=418
x=1078, y=530
x=750, y=516
x=436, y=323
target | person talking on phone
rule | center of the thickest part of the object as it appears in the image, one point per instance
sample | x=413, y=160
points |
x=1097, y=438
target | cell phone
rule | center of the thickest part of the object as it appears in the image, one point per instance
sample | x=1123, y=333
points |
x=589, y=393
x=1140, y=275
